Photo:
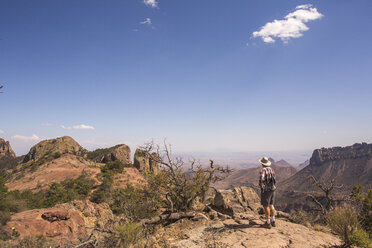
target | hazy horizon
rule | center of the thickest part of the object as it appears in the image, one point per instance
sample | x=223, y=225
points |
x=210, y=76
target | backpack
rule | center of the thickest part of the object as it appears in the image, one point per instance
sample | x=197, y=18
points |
x=271, y=183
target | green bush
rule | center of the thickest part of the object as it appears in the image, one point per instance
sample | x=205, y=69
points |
x=57, y=155
x=4, y=217
x=115, y=166
x=28, y=242
x=299, y=216
x=363, y=203
x=135, y=203
x=360, y=238
x=343, y=221
x=125, y=235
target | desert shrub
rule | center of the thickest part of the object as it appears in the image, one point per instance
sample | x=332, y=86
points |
x=299, y=216
x=57, y=155
x=363, y=204
x=180, y=185
x=125, y=235
x=343, y=221
x=4, y=217
x=56, y=194
x=360, y=238
x=27, y=242
x=79, y=187
x=105, y=189
x=115, y=166
x=135, y=203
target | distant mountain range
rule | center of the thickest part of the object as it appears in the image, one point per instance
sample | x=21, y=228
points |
x=249, y=177
x=348, y=166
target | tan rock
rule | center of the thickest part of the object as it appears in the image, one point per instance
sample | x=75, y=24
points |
x=66, y=224
x=6, y=149
x=143, y=161
x=52, y=146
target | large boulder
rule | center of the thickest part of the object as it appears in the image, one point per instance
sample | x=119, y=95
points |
x=144, y=162
x=59, y=145
x=119, y=152
x=66, y=224
x=6, y=149
x=237, y=202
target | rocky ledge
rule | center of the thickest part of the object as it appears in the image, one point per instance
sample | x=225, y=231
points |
x=357, y=150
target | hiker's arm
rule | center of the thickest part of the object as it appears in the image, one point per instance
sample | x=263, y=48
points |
x=262, y=177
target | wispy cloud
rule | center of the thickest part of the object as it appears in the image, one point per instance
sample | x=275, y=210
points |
x=47, y=124
x=146, y=21
x=292, y=26
x=151, y=3
x=1, y=131
x=82, y=127
x=26, y=138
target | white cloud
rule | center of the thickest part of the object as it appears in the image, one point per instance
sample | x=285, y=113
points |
x=26, y=138
x=146, y=21
x=82, y=126
x=292, y=26
x=151, y=3
x=47, y=124
x=1, y=131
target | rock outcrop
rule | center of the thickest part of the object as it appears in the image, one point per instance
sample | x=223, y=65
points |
x=346, y=165
x=240, y=226
x=356, y=151
x=66, y=224
x=6, y=149
x=60, y=145
x=119, y=152
x=144, y=163
x=237, y=202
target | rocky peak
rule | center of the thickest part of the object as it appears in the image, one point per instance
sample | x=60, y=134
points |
x=143, y=162
x=119, y=152
x=6, y=149
x=357, y=150
x=60, y=145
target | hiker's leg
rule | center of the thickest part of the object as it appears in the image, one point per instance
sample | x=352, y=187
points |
x=272, y=210
x=267, y=212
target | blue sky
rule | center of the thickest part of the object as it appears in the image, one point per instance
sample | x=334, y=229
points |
x=130, y=71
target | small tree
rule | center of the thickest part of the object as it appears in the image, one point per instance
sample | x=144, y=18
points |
x=326, y=200
x=180, y=185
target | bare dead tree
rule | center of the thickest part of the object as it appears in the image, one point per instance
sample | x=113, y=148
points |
x=183, y=183
x=327, y=195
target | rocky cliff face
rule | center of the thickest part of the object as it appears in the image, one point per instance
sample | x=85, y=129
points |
x=346, y=165
x=144, y=163
x=119, y=152
x=356, y=151
x=6, y=149
x=60, y=145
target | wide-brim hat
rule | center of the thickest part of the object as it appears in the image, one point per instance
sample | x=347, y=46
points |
x=265, y=161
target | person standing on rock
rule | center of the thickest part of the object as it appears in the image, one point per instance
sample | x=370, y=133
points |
x=268, y=185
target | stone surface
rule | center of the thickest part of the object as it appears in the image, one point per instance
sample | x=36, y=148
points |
x=6, y=149
x=118, y=152
x=60, y=145
x=144, y=163
x=66, y=224
x=244, y=229
x=121, y=153
x=237, y=202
